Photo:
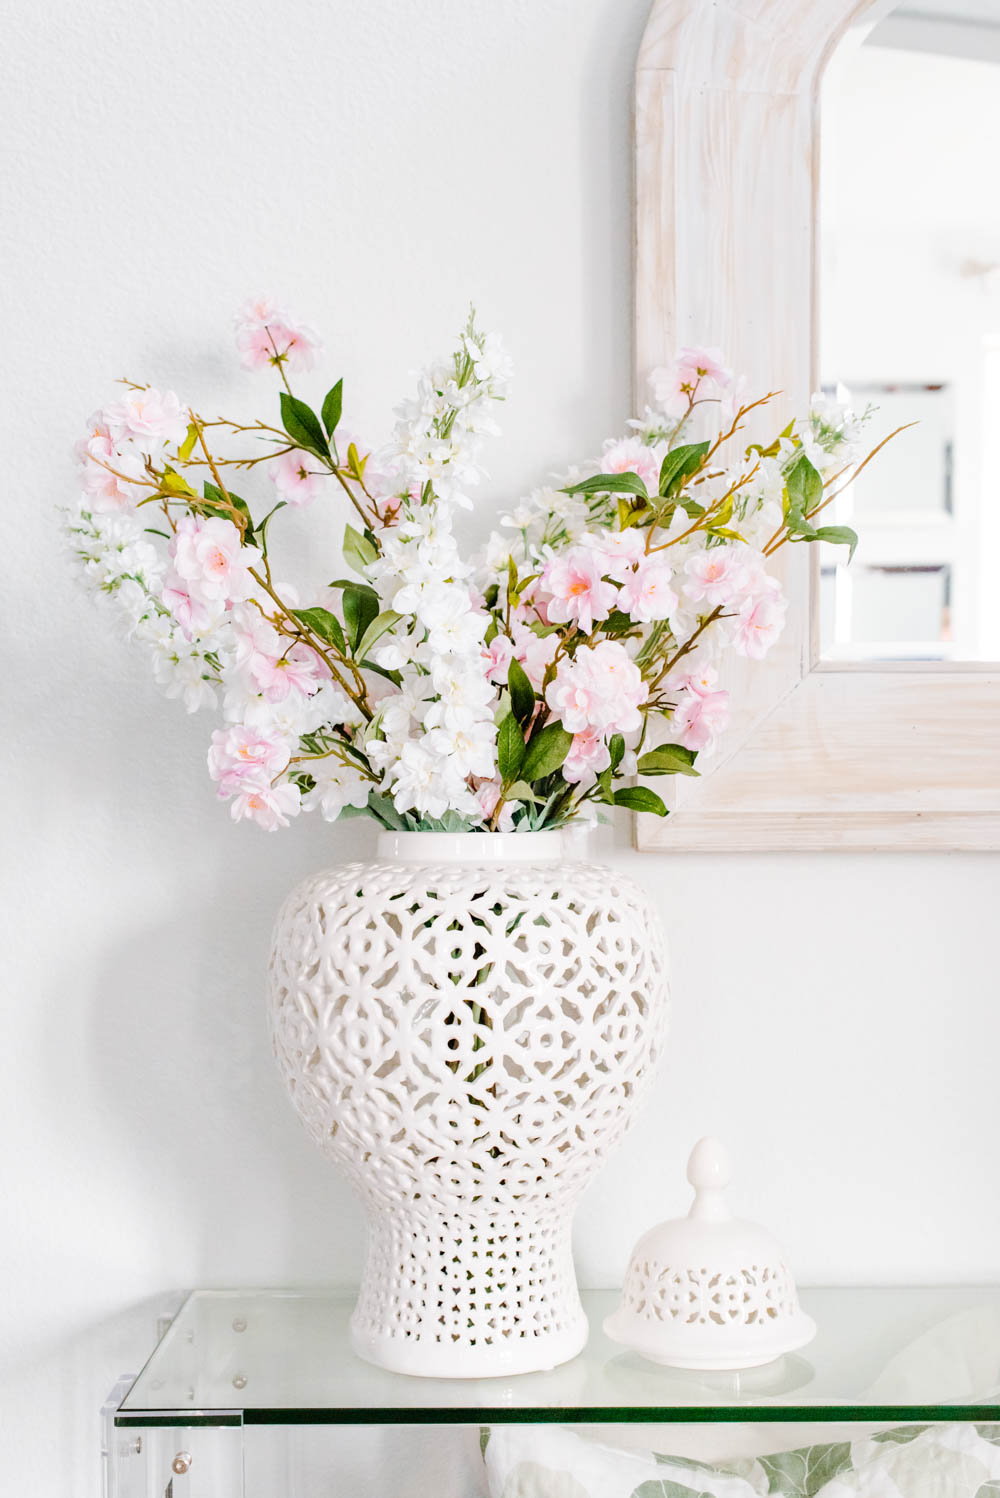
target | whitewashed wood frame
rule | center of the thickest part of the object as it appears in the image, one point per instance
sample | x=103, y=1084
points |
x=820, y=755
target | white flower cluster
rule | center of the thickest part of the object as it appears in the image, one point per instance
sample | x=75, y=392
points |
x=438, y=731
x=438, y=433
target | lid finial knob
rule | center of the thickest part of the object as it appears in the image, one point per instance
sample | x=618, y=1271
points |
x=709, y=1173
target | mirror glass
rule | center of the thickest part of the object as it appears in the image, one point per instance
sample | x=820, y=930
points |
x=909, y=323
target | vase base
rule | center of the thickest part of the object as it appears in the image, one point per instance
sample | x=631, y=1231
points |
x=426, y=1358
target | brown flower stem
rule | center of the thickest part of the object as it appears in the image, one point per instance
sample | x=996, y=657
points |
x=369, y=520
x=686, y=648
x=238, y=518
x=358, y=696
x=781, y=535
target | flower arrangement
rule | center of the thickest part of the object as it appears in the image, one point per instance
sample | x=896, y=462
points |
x=516, y=690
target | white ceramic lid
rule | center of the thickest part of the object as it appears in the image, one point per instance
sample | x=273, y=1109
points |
x=709, y=1291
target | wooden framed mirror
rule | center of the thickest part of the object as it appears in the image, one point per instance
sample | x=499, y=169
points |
x=823, y=752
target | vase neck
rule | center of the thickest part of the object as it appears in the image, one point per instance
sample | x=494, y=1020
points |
x=478, y=847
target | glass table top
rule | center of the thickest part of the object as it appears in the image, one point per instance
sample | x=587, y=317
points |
x=279, y=1357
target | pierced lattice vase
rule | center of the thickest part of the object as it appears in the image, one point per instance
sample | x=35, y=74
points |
x=465, y=1026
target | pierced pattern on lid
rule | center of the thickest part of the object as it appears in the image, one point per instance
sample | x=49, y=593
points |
x=758, y=1295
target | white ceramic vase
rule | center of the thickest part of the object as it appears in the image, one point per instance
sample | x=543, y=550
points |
x=466, y=1025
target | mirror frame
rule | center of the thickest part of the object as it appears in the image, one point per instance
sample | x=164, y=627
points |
x=820, y=754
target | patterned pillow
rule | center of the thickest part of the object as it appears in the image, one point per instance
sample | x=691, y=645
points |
x=912, y=1461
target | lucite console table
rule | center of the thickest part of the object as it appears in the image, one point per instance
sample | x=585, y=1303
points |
x=257, y=1392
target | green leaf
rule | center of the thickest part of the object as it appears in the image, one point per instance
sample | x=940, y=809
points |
x=640, y=798
x=379, y=626
x=839, y=535
x=355, y=463
x=384, y=809
x=631, y=512
x=262, y=528
x=681, y=463
x=359, y=552
x=616, y=748
x=511, y=580
x=668, y=759
x=725, y=533
x=799, y=528
x=302, y=425
x=394, y=676
x=187, y=446
x=665, y=1487
x=802, y=1473
x=902, y=1435
x=522, y=693
x=617, y=623
x=510, y=749
x=546, y=752
x=173, y=483
x=609, y=483
x=217, y=500
x=521, y=791
x=804, y=486
x=324, y=624
x=333, y=404
x=360, y=610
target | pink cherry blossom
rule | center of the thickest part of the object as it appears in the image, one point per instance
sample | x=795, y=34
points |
x=488, y=794
x=534, y=652
x=209, y=562
x=696, y=372
x=297, y=476
x=242, y=758
x=601, y=687
x=717, y=576
x=631, y=455
x=701, y=711
x=761, y=620
x=588, y=756
x=270, y=807
x=97, y=426
x=579, y=593
x=298, y=669
x=497, y=657
x=107, y=474
x=266, y=334
x=148, y=419
x=619, y=550
x=707, y=364
x=648, y=592
x=194, y=617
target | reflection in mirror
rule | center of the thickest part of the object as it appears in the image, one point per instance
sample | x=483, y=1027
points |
x=909, y=323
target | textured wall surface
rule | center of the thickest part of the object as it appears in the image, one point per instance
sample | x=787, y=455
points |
x=379, y=165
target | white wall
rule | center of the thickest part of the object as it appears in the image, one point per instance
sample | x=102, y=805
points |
x=836, y=1017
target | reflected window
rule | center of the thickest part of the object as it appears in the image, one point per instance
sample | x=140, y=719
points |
x=909, y=322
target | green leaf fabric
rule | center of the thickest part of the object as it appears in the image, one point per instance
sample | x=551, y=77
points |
x=913, y=1461
x=801, y=1474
